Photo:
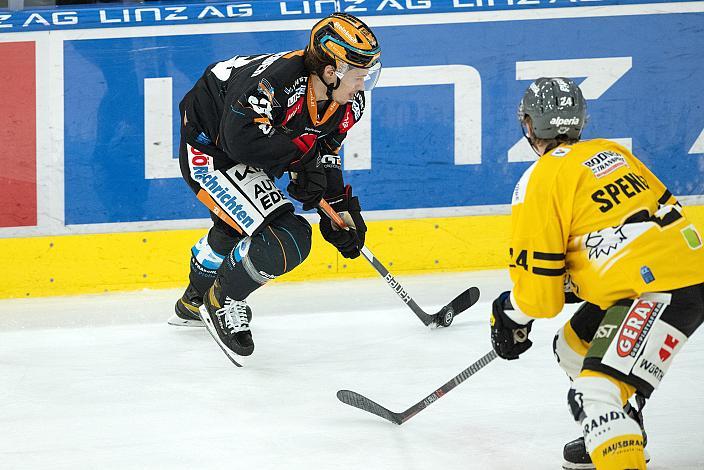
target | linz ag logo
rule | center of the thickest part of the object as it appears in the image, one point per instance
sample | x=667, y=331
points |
x=635, y=327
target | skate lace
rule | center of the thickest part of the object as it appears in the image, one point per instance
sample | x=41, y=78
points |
x=235, y=315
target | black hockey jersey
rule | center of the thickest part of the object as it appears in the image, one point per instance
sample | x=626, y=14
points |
x=248, y=109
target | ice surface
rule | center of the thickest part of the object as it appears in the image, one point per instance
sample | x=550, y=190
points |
x=102, y=382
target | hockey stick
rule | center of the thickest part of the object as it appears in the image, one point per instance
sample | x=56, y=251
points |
x=363, y=403
x=443, y=317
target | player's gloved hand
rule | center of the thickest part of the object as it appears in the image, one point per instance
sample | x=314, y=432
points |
x=348, y=242
x=508, y=338
x=308, y=180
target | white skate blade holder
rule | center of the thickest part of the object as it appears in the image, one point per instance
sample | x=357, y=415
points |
x=208, y=322
x=175, y=320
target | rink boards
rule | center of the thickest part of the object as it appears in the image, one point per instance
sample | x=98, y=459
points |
x=92, y=199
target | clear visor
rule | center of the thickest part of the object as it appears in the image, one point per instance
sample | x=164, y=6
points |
x=358, y=78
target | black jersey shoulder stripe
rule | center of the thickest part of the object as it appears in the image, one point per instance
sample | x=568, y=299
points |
x=548, y=256
x=665, y=196
x=548, y=271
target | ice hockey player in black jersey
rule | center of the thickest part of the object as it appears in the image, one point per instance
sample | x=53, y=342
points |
x=246, y=122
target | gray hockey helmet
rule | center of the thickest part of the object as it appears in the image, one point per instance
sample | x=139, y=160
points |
x=555, y=106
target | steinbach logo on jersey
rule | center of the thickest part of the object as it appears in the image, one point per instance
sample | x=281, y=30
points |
x=635, y=327
x=604, y=163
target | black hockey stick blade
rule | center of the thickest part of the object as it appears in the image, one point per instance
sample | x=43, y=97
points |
x=363, y=403
x=458, y=305
x=442, y=318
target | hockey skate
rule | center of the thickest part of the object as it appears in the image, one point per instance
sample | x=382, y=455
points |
x=575, y=452
x=186, y=310
x=227, y=321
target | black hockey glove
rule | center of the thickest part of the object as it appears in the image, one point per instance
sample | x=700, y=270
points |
x=508, y=338
x=348, y=242
x=308, y=180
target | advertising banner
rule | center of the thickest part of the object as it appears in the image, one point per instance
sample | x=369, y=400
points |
x=154, y=13
x=18, y=184
x=440, y=130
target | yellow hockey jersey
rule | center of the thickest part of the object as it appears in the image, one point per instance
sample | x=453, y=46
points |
x=592, y=215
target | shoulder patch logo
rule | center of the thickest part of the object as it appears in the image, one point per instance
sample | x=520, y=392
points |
x=605, y=162
x=560, y=151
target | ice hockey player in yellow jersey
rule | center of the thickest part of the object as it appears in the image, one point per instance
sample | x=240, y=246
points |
x=592, y=224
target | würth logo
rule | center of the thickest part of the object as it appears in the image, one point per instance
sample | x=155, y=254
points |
x=668, y=347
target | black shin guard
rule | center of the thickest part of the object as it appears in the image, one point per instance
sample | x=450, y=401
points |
x=254, y=261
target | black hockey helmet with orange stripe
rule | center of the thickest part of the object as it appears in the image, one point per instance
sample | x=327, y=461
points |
x=344, y=41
